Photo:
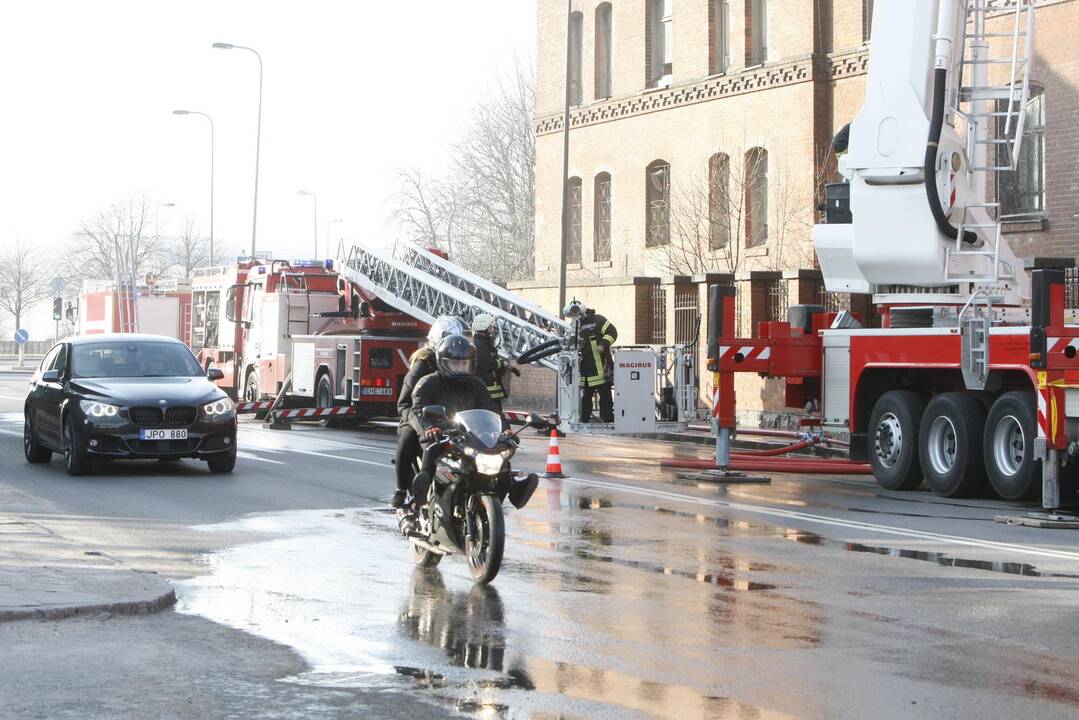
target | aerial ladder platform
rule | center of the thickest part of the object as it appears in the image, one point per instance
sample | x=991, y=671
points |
x=657, y=394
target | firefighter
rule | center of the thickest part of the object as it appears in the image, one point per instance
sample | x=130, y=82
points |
x=597, y=334
x=490, y=366
x=421, y=364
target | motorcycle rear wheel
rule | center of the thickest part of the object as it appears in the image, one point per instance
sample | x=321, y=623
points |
x=423, y=557
x=485, y=552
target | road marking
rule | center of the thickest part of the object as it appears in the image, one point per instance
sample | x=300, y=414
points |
x=384, y=449
x=836, y=522
x=13, y=397
x=252, y=456
x=331, y=457
x=10, y=432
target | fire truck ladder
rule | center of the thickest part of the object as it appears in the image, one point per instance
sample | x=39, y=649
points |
x=426, y=286
x=995, y=116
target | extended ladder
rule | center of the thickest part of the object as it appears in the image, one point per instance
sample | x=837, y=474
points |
x=427, y=286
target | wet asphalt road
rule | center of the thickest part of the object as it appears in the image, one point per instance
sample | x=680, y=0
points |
x=625, y=593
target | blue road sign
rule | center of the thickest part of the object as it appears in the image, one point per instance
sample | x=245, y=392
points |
x=21, y=336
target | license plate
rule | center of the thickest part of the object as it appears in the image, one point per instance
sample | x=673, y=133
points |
x=163, y=434
x=376, y=391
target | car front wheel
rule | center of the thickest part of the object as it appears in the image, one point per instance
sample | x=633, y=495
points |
x=224, y=463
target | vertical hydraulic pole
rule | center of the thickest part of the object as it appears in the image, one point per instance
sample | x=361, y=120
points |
x=1047, y=320
x=720, y=325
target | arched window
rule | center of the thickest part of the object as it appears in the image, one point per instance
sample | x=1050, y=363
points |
x=657, y=203
x=573, y=227
x=601, y=218
x=576, y=40
x=659, y=42
x=756, y=197
x=719, y=36
x=719, y=201
x=604, y=32
x=756, y=32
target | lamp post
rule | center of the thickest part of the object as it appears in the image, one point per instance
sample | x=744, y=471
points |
x=330, y=224
x=196, y=112
x=565, y=166
x=314, y=225
x=258, y=136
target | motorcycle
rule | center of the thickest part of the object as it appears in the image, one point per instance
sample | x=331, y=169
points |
x=459, y=509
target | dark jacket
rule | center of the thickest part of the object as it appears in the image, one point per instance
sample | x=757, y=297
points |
x=489, y=365
x=464, y=393
x=596, y=329
x=423, y=363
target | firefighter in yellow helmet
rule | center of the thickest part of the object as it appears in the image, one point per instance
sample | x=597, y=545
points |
x=490, y=366
x=597, y=335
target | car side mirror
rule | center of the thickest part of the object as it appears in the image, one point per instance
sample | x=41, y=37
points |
x=214, y=374
x=537, y=421
x=50, y=376
x=435, y=413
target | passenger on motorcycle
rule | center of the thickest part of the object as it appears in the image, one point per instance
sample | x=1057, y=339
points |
x=421, y=364
x=456, y=388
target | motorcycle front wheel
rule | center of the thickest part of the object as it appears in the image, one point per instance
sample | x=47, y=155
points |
x=485, y=552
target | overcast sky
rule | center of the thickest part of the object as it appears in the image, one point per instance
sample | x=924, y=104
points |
x=352, y=90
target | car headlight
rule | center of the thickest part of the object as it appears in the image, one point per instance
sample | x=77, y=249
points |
x=218, y=408
x=488, y=463
x=98, y=410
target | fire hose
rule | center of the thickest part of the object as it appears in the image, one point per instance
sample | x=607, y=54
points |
x=742, y=462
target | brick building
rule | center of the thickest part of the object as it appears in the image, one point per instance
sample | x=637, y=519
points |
x=700, y=134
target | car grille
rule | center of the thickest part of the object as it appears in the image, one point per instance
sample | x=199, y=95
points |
x=173, y=417
x=152, y=447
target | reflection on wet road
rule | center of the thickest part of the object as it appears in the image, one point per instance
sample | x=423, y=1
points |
x=610, y=608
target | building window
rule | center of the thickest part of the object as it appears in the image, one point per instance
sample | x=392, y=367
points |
x=756, y=197
x=719, y=205
x=1021, y=192
x=576, y=39
x=603, y=51
x=867, y=20
x=719, y=36
x=573, y=226
x=601, y=218
x=660, y=43
x=756, y=32
x=658, y=203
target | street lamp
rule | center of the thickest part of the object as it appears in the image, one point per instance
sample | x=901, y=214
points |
x=328, y=239
x=314, y=225
x=258, y=136
x=196, y=112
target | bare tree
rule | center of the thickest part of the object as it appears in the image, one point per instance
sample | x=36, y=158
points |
x=116, y=239
x=184, y=252
x=482, y=211
x=24, y=282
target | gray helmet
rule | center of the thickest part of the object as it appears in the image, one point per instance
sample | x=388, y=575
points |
x=443, y=326
x=456, y=356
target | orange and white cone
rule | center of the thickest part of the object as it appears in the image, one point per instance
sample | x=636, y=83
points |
x=554, y=459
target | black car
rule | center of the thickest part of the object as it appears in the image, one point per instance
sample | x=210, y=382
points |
x=106, y=397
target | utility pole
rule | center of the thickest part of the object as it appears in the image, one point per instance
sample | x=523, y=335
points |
x=565, y=170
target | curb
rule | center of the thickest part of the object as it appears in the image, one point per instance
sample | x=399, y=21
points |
x=119, y=607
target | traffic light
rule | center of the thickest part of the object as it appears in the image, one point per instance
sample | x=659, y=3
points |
x=57, y=308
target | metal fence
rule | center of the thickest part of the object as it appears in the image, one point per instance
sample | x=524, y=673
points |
x=1071, y=288
x=777, y=300
x=686, y=311
x=33, y=347
x=658, y=334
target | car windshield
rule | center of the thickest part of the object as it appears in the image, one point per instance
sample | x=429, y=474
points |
x=133, y=359
x=485, y=425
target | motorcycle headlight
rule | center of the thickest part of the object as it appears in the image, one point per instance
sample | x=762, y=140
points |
x=218, y=408
x=489, y=463
x=98, y=410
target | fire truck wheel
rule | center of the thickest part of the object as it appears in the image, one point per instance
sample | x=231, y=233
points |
x=251, y=387
x=324, y=392
x=950, y=445
x=1009, y=447
x=892, y=438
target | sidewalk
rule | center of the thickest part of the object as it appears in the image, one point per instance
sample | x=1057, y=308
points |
x=44, y=575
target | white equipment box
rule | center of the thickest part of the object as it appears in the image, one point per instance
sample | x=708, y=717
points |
x=634, y=391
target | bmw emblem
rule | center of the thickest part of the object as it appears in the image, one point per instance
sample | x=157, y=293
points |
x=162, y=402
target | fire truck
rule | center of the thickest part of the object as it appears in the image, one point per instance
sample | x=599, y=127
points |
x=299, y=329
x=973, y=381
x=157, y=305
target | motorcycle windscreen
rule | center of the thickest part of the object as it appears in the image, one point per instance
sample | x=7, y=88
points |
x=483, y=425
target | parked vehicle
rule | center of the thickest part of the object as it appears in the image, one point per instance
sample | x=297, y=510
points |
x=460, y=510
x=98, y=398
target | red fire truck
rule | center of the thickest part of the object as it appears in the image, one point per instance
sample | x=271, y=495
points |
x=266, y=322
x=154, y=305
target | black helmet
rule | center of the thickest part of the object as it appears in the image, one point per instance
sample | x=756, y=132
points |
x=456, y=356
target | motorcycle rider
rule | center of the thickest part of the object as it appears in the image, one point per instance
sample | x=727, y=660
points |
x=597, y=334
x=454, y=386
x=421, y=364
x=490, y=366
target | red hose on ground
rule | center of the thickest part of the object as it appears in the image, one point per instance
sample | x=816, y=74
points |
x=772, y=452
x=790, y=465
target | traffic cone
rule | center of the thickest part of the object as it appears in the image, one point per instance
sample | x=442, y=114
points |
x=554, y=459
